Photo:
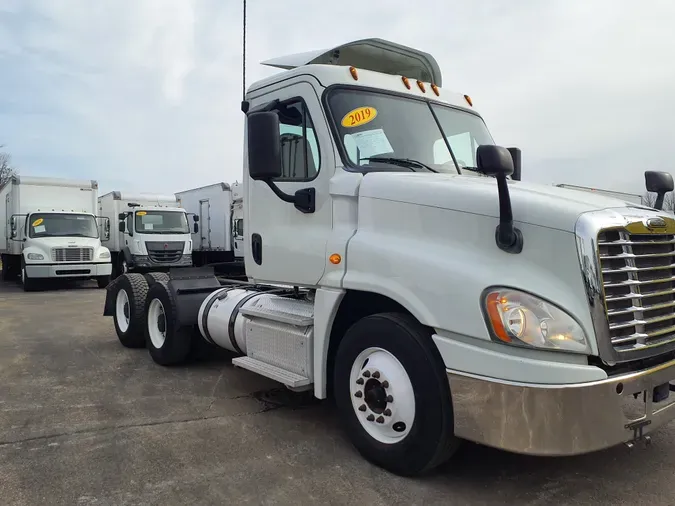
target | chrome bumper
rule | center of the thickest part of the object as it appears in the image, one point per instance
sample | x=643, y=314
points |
x=558, y=420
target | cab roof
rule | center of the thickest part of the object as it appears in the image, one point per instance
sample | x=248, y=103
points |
x=374, y=54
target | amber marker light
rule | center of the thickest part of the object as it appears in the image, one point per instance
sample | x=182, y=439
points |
x=420, y=84
x=335, y=259
x=354, y=73
x=405, y=81
x=493, y=301
x=468, y=100
x=435, y=90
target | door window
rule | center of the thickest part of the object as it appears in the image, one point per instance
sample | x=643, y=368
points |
x=300, y=159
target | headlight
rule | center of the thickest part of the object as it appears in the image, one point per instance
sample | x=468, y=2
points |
x=521, y=319
x=35, y=256
x=104, y=254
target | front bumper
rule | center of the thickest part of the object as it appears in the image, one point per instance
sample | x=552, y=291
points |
x=556, y=420
x=145, y=262
x=79, y=270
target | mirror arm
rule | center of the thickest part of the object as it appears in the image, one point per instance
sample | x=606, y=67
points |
x=659, y=200
x=304, y=200
x=508, y=237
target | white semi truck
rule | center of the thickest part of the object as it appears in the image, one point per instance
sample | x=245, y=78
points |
x=50, y=231
x=433, y=306
x=220, y=212
x=152, y=233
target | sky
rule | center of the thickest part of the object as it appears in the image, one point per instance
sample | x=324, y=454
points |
x=144, y=95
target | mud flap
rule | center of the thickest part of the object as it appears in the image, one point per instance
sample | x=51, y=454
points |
x=189, y=287
x=109, y=304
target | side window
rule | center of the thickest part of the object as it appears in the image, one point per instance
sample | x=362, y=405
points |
x=130, y=223
x=300, y=159
x=464, y=147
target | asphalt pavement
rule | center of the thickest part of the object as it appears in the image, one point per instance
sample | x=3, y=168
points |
x=85, y=421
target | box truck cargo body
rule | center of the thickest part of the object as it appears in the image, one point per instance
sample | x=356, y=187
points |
x=151, y=232
x=214, y=206
x=50, y=230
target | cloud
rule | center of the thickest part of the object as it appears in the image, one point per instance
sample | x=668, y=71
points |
x=145, y=94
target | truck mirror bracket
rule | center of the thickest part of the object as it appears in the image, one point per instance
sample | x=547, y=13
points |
x=304, y=200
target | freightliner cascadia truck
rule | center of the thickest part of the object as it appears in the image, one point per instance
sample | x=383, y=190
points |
x=395, y=264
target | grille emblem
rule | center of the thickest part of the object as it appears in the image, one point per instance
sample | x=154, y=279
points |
x=654, y=223
x=166, y=245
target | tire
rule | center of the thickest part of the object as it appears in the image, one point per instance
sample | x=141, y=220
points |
x=130, y=291
x=168, y=343
x=28, y=284
x=407, y=437
x=103, y=281
x=154, y=277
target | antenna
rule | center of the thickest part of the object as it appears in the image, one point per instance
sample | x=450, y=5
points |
x=243, y=57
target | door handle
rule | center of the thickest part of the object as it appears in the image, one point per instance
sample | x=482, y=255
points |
x=256, y=248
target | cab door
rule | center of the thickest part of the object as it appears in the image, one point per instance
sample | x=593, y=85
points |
x=283, y=244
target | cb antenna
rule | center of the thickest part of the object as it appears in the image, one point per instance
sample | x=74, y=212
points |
x=243, y=58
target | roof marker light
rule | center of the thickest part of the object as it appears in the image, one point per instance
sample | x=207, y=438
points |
x=468, y=100
x=435, y=88
x=405, y=81
x=420, y=84
x=354, y=73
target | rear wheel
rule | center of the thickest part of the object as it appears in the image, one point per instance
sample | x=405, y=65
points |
x=129, y=293
x=392, y=392
x=167, y=342
x=154, y=277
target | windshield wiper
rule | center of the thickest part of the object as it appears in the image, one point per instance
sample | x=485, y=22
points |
x=402, y=162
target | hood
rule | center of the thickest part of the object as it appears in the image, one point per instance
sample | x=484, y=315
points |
x=65, y=242
x=543, y=205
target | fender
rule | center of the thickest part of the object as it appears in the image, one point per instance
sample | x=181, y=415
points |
x=127, y=256
x=109, y=304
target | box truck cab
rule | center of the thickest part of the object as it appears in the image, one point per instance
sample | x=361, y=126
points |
x=51, y=231
x=434, y=306
x=152, y=232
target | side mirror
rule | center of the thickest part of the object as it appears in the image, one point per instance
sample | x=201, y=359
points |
x=195, y=218
x=122, y=226
x=497, y=161
x=195, y=227
x=264, y=145
x=516, y=157
x=659, y=183
x=122, y=216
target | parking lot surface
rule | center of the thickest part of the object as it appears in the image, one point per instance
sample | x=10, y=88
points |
x=84, y=421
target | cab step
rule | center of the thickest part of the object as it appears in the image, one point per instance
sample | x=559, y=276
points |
x=290, y=379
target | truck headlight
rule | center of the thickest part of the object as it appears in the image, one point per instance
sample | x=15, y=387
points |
x=521, y=319
x=35, y=256
x=104, y=254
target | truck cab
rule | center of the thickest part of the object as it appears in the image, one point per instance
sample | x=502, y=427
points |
x=155, y=238
x=396, y=264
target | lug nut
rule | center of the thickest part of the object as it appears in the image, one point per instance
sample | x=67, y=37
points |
x=362, y=407
x=387, y=412
x=358, y=394
x=359, y=381
x=370, y=418
x=366, y=374
x=380, y=419
x=376, y=374
x=385, y=384
x=390, y=398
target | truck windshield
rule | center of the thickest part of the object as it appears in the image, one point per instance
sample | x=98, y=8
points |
x=375, y=125
x=62, y=225
x=161, y=222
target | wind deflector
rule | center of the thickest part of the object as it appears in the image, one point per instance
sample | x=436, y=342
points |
x=378, y=55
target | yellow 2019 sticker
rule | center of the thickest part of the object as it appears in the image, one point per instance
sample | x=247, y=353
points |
x=141, y=213
x=38, y=222
x=359, y=116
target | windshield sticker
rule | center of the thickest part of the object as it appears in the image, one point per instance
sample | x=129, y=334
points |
x=38, y=222
x=148, y=226
x=38, y=229
x=359, y=116
x=372, y=143
x=141, y=213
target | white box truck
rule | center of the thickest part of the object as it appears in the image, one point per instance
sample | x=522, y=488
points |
x=434, y=306
x=50, y=230
x=219, y=241
x=152, y=232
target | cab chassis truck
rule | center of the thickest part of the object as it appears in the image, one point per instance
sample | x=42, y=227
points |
x=432, y=305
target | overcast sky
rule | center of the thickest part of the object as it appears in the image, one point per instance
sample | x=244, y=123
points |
x=144, y=94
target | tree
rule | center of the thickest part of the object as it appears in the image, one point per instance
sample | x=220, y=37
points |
x=649, y=199
x=6, y=168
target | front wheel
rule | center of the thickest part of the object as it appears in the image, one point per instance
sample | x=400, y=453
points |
x=393, y=395
x=28, y=284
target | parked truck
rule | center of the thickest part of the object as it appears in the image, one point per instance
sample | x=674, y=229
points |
x=628, y=197
x=238, y=220
x=50, y=231
x=216, y=243
x=434, y=306
x=152, y=232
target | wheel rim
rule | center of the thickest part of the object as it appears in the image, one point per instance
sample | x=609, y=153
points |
x=125, y=269
x=157, y=323
x=382, y=395
x=23, y=276
x=122, y=310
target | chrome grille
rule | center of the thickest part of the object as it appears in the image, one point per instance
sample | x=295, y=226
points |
x=638, y=278
x=72, y=254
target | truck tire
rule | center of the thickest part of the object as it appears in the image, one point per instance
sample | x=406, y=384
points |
x=167, y=342
x=130, y=292
x=28, y=284
x=154, y=277
x=393, y=395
